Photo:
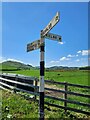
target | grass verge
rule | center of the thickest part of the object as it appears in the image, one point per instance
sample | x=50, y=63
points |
x=16, y=107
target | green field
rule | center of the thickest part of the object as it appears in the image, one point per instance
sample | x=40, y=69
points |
x=76, y=77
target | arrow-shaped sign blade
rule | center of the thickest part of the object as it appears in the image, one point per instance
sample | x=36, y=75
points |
x=53, y=37
x=33, y=46
x=51, y=24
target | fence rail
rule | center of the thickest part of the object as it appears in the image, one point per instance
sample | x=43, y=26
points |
x=29, y=85
x=69, y=84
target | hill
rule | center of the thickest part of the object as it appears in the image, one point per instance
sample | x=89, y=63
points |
x=62, y=68
x=85, y=68
x=13, y=65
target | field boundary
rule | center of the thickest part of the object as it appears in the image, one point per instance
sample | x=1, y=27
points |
x=29, y=85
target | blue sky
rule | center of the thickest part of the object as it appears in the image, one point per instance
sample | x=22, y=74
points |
x=22, y=23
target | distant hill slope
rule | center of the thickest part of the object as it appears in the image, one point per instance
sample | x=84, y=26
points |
x=62, y=68
x=13, y=65
x=85, y=68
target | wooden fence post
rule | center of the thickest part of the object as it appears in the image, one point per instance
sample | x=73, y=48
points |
x=35, y=88
x=65, y=96
x=15, y=83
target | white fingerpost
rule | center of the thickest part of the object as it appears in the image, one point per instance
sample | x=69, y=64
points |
x=40, y=43
x=41, y=87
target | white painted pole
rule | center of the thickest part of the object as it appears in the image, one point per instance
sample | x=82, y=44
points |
x=41, y=87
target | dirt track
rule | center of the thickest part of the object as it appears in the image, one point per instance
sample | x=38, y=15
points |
x=52, y=93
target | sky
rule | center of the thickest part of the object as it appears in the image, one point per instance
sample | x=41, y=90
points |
x=23, y=21
x=45, y=0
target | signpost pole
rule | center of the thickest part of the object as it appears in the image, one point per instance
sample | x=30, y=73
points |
x=41, y=44
x=41, y=87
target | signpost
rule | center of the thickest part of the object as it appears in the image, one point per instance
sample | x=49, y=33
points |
x=51, y=24
x=41, y=87
x=41, y=44
x=33, y=46
x=53, y=37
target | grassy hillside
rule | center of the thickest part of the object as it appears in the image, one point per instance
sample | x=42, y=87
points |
x=12, y=65
x=7, y=67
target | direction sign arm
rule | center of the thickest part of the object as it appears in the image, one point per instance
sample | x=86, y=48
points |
x=53, y=37
x=51, y=24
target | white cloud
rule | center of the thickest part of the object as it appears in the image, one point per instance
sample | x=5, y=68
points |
x=64, y=58
x=84, y=52
x=69, y=60
x=76, y=55
x=61, y=43
x=54, y=61
x=79, y=51
x=70, y=56
x=77, y=60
